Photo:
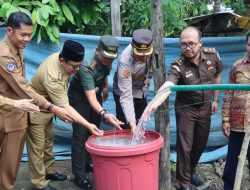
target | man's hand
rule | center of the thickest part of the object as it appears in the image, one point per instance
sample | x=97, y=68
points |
x=226, y=129
x=62, y=113
x=132, y=125
x=214, y=108
x=26, y=105
x=113, y=120
x=95, y=131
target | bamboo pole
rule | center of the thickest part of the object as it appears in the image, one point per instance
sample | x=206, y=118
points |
x=241, y=159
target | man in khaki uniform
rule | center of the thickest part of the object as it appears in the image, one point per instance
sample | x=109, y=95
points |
x=51, y=81
x=13, y=85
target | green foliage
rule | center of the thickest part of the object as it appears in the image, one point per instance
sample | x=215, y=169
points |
x=238, y=6
x=173, y=15
x=50, y=17
x=135, y=14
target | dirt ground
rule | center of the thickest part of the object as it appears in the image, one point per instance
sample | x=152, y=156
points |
x=211, y=173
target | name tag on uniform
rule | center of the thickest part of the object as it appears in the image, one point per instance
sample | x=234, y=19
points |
x=188, y=74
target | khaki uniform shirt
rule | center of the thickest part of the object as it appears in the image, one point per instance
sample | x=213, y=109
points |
x=130, y=81
x=51, y=81
x=13, y=85
x=6, y=103
x=236, y=103
x=184, y=72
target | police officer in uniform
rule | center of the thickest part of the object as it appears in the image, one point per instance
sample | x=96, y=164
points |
x=13, y=85
x=132, y=78
x=88, y=89
x=196, y=65
x=51, y=81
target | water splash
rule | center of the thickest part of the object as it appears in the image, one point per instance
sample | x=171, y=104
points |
x=140, y=130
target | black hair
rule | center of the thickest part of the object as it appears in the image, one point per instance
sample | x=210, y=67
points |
x=247, y=35
x=17, y=18
x=61, y=56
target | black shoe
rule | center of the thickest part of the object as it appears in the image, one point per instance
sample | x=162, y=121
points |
x=196, y=181
x=89, y=168
x=83, y=183
x=185, y=188
x=56, y=177
x=47, y=188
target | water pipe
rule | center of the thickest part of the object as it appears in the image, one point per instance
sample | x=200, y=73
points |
x=210, y=87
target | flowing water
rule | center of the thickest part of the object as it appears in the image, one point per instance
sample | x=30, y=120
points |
x=138, y=136
x=139, y=133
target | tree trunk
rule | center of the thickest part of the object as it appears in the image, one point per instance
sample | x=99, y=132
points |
x=162, y=114
x=241, y=159
x=217, y=6
x=115, y=17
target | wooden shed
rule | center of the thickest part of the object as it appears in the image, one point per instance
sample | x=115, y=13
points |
x=224, y=23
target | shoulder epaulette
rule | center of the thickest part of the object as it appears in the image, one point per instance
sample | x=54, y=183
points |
x=209, y=50
x=4, y=51
x=92, y=65
x=179, y=61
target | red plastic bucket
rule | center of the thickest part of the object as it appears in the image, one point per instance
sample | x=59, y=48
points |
x=132, y=167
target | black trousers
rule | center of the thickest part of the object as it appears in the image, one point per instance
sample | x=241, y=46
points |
x=193, y=125
x=79, y=156
x=139, y=105
x=234, y=148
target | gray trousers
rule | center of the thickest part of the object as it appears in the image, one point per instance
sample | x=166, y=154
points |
x=193, y=125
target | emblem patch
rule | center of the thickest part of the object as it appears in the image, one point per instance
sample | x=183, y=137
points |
x=126, y=74
x=208, y=62
x=10, y=67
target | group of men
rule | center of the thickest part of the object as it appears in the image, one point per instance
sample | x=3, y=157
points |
x=51, y=92
x=79, y=100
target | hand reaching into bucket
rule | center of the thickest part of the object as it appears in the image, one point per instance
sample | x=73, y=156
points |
x=94, y=130
x=113, y=120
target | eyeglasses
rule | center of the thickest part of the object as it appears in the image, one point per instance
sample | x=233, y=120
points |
x=189, y=44
x=74, y=66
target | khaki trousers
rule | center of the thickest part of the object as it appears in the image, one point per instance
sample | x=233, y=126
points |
x=11, y=149
x=39, y=142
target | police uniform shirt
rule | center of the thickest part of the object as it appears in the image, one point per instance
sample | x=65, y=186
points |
x=91, y=75
x=13, y=85
x=183, y=72
x=130, y=81
x=51, y=81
